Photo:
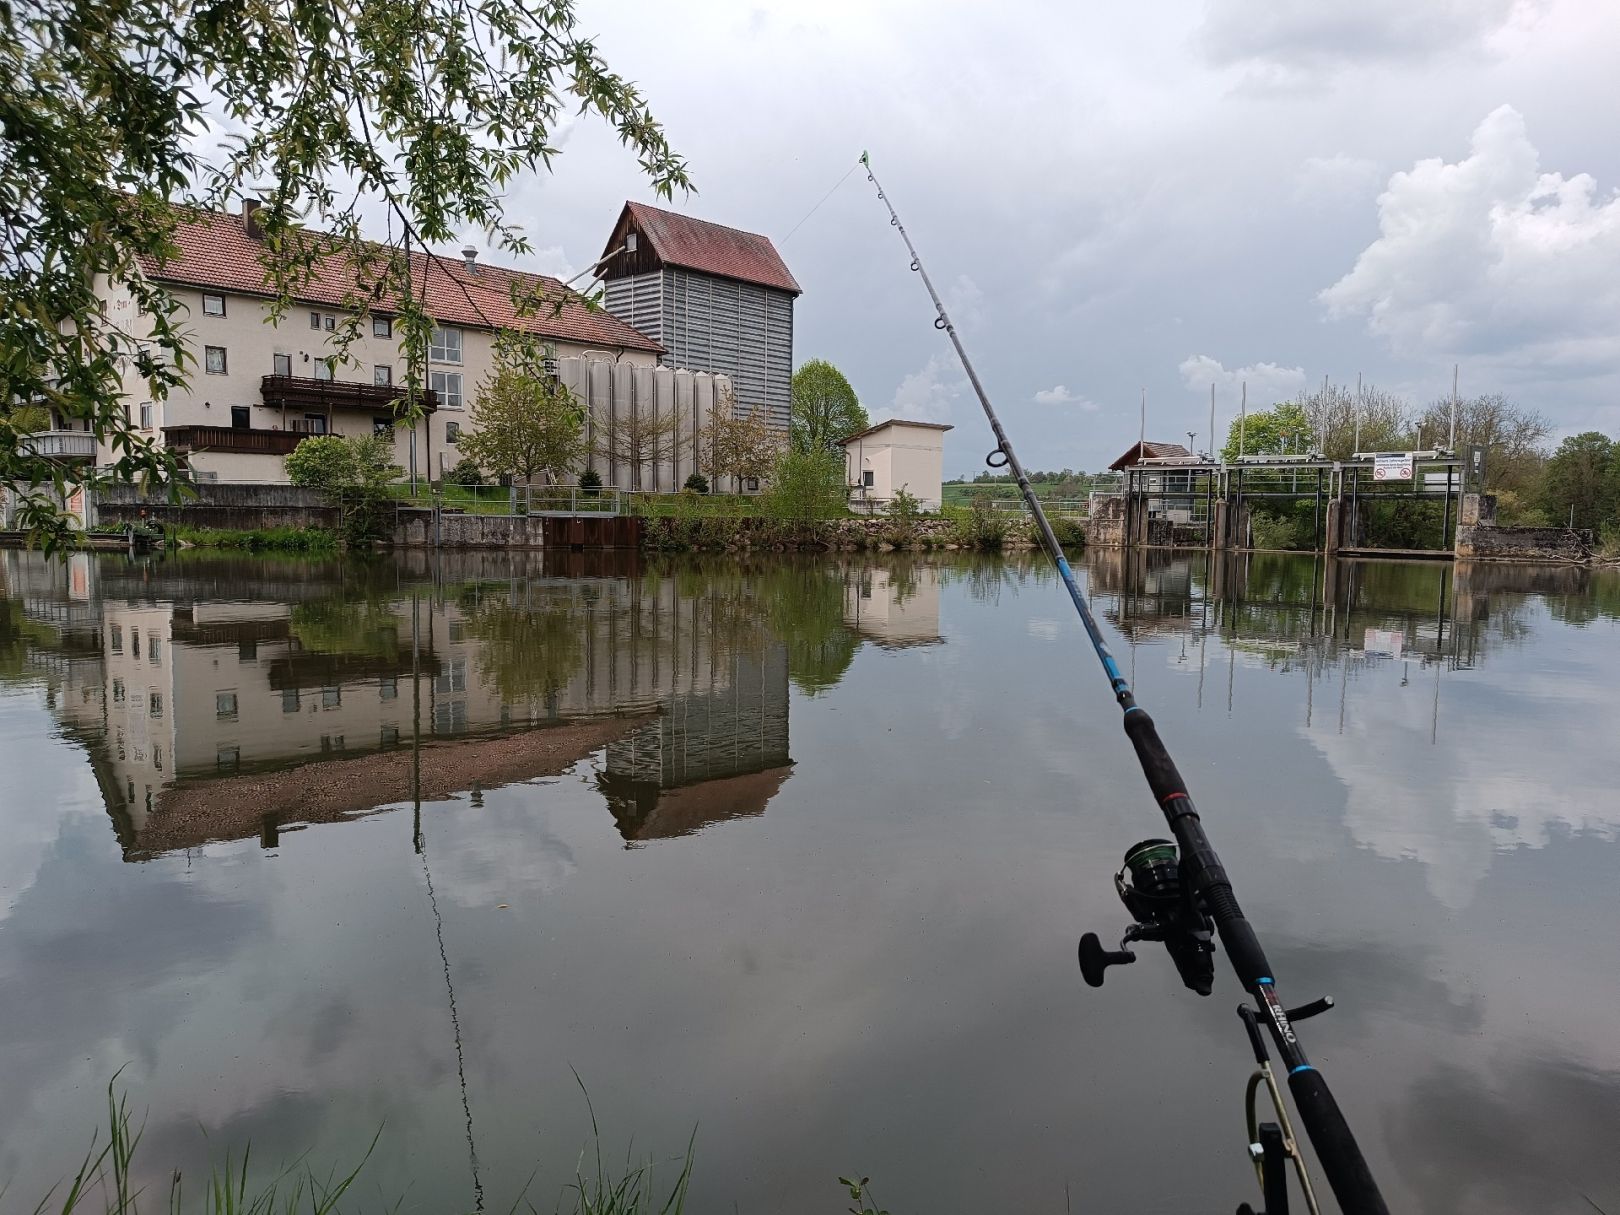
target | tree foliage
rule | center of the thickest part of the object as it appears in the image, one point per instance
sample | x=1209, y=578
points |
x=738, y=443
x=824, y=409
x=807, y=486
x=1511, y=434
x=1582, y=482
x=424, y=112
x=357, y=471
x=523, y=425
x=1282, y=428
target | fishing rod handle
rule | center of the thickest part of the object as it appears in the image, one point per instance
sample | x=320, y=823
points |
x=1336, y=1148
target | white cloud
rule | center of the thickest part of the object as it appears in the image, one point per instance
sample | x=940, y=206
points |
x=1491, y=257
x=1060, y=394
x=965, y=302
x=1268, y=382
x=929, y=395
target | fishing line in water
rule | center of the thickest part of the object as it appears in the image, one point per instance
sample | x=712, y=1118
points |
x=817, y=207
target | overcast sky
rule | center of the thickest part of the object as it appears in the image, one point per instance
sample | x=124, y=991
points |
x=1150, y=196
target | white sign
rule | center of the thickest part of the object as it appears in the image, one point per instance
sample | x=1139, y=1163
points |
x=1393, y=468
x=1391, y=642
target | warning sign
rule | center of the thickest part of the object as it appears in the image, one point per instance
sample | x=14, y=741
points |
x=1393, y=468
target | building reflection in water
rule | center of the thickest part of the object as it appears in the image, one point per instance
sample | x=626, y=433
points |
x=224, y=699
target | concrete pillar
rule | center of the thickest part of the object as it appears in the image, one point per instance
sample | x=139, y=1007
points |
x=1333, y=528
x=1218, y=537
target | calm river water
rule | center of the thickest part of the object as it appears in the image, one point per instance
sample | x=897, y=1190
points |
x=796, y=853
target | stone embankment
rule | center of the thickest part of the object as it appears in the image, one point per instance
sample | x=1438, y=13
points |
x=724, y=534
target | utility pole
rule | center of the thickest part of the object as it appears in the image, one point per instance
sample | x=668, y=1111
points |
x=1451, y=443
x=1243, y=418
x=1358, y=413
x=1212, y=421
x=1141, y=437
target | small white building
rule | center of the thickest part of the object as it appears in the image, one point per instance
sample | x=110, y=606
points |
x=896, y=455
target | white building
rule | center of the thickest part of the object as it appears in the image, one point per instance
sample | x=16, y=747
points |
x=896, y=455
x=260, y=384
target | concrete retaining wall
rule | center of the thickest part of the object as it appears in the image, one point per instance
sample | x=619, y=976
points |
x=1106, y=527
x=1480, y=539
x=232, y=506
x=415, y=530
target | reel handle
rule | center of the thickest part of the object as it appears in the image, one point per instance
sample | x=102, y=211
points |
x=1094, y=959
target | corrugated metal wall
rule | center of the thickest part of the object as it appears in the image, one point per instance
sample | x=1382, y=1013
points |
x=609, y=390
x=739, y=330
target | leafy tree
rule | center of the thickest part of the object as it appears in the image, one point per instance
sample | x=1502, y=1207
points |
x=807, y=486
x=1580, y=481
x=422, y=112
x=1343, y=421
x=357, y=471
x=738, y=444
x=523, y=425
x=1282, y=428
x=697, y=483
x=1511, y=435
x=825, y=408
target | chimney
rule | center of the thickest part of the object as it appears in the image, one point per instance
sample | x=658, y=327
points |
x=469, y=258
x=250, y=218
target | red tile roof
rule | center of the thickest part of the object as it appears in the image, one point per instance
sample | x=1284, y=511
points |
x=696, y=244
x=215, y=250
x=1148, y=451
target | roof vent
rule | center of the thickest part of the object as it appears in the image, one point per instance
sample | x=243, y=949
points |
x=469, y=258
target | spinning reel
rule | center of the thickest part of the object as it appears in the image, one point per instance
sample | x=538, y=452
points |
x=1165, y=909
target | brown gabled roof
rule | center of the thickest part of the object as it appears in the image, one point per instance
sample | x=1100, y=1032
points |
x=216, y=251
x=1148, y=451
x=861, y=434
x=696, y=244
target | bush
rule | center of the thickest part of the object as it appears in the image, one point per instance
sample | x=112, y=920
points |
x=590, y=482
x=807, y=486
x=357, y=471
x=698, y=483
x=466, y=472
x=980, y=526
x=903, y=513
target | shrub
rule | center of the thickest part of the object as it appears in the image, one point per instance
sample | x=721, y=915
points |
x=357, y=471
x=698, y=483
x=466, y=472
x=590, y=482
x=807, y=486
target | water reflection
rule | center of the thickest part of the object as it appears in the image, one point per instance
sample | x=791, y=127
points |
x=231, y=698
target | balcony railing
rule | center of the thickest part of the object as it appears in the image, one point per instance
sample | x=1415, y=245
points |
x=231, y=439
x=60, y=444
x=301, y=392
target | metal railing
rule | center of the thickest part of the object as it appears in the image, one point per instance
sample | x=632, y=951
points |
x=60, y=444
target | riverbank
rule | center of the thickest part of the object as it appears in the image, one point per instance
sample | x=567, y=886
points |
x=959, y=531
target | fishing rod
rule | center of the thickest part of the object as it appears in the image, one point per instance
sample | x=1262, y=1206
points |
x=1179, y=894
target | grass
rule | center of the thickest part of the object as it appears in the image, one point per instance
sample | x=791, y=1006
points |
x=267, y=539
x=105, y=1183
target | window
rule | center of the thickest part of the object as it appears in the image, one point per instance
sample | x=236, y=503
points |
x=154, y=704
x=213, y=305
x=866, y=478
x=447, y=385
x=445, y=346
x=117, y=639
x=457, y=631
x=228, y=759
x=135, y=642
x=289, y=700
x=247, y=651
x=225, y=706
x=449, y=716
x=452, y=432
x=118, y=691
x=314, y=423
x=382, y=375
x=154, y=650
x=314, y=320
x=329, y=322
x=453, y=678
x=382, y=426
x=331, y=698
x=751, y=485
x=146, y=415
x=240, y=417
x=157, y=758
x=390, y=736
x=214, y=360
x=382, y=326
x=387, y=688
x=323, y=369
x=281, y=364
x=331, y=742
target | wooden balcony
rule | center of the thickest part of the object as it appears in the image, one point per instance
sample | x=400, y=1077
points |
x=68, y=445
x=187, y=439
x=301, y=393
